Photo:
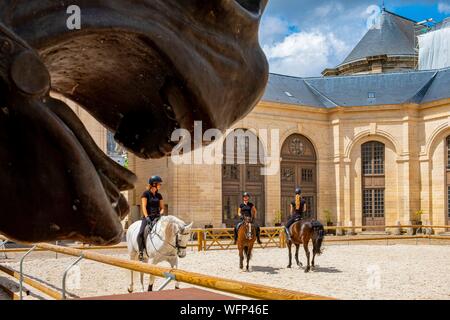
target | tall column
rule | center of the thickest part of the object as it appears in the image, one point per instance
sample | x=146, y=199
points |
x=348, y=214
x=339, y=171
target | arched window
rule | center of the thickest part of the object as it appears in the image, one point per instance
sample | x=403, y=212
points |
x=241, y=172
x=373, y=183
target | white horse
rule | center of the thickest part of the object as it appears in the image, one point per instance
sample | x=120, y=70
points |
x=166, y=242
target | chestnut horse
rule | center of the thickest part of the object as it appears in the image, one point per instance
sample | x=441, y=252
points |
x=301, y=232
x=245, y=241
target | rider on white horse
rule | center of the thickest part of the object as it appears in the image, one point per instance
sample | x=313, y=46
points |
x=152, y=208
x=166, y=242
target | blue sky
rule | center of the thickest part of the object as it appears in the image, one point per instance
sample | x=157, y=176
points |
x=303, y=37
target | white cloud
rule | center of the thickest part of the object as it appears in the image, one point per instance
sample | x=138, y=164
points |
x=325, y=10
x=305, y=53
x=302, y=38
x=444, y=7
x=273, y=28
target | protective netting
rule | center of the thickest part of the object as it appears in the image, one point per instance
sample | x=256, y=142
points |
x=434, y=49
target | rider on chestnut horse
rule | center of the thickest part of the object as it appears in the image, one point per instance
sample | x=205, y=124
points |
x=298, y=211
x=246, y=209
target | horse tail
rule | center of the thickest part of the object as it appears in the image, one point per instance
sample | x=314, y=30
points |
x=318, y=235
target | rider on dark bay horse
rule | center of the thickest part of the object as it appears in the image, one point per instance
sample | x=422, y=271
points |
x=246, y=209
x=298, y=211
x=152, y=208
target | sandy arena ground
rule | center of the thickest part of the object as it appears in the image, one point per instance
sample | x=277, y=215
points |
x=347, y=272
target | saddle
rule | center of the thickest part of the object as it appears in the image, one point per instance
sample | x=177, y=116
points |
x=148, y=229
x=298, y=219
x=314, y=223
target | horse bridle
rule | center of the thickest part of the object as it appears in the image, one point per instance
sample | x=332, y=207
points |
x=176, y=246
x=250, y=225
x=176, y=240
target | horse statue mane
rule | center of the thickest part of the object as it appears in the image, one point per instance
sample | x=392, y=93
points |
x=142, y=68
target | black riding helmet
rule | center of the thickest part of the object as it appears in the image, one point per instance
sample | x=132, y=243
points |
x=153, y=181
x=298, y=190
x=246, y=194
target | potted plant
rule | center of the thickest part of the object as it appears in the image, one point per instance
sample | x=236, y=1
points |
x=329, y=220
x=418, y=221
x=277, y=218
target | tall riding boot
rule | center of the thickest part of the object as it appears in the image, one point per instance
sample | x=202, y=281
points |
x=288, y=235
x=141, y=246
x=258, y=232
x=235, y=235
x=141, y=250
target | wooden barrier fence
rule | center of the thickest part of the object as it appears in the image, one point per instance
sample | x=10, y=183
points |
x=216, y=283
x=231, y=286
x=32, y=283
x=272, y=237
x=223, y=238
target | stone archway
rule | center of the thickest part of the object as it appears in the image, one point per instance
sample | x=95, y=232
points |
x=243, y=175
x=298, y=168
x=447, y=179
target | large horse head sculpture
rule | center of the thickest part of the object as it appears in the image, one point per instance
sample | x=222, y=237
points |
x=142, y=69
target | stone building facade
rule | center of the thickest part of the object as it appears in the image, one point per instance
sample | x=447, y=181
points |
x=414, y=157
x=368, y=143
x=368, y=146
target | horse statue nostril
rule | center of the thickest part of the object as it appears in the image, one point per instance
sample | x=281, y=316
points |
x=30, y=74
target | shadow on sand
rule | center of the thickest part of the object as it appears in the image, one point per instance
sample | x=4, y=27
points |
x=270, y=270
x=326, y=269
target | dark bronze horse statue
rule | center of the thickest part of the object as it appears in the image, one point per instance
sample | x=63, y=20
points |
x=302, y=232
x=142, y=69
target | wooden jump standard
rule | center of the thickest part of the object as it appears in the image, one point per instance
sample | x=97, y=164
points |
x=235, y=287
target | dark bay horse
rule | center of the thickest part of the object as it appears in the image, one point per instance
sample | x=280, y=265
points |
x=301, y=233
x=246, y=240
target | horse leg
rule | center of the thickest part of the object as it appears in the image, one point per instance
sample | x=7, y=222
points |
x=312, y=261
x=131, y=286
x=133, y=256
x=241, y=257
x=305, y=246
x=174, y=265
x=246, y=257
x=297, y=247
x=289, y=245
x=150, y=283
x=141, y=279
x=248, y=254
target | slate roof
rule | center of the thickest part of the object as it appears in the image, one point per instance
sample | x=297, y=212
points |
x=360, y=90
x=394, y=37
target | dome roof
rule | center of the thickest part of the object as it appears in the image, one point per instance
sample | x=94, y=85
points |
x=393, y=36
